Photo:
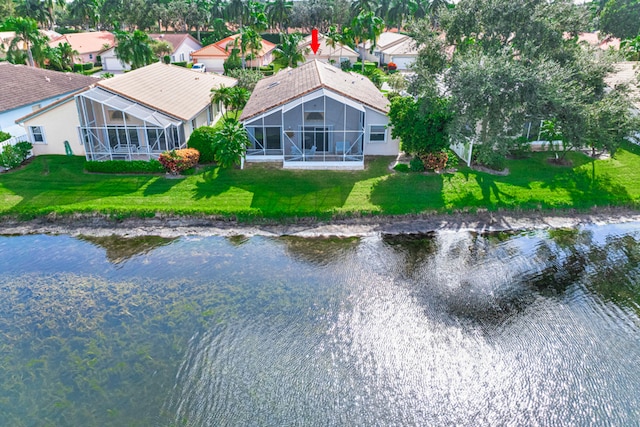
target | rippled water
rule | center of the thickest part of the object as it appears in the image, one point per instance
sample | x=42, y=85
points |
x=450, y=328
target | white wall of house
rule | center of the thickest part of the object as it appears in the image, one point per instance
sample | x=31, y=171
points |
x=56, y=125
x=375, y=128
x=213, y=64
x=183, y=52
x=402, y=62
x=111, y=63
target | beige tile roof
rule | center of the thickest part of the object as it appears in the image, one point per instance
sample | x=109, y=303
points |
x=266, y=45
x=86, y=42
x=405, y=47
x=174, y=39
x=290, y=84
x=171, y=89
x=324, y=50
x=21, y=85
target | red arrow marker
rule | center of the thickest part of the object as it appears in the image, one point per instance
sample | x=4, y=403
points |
x=314, y=41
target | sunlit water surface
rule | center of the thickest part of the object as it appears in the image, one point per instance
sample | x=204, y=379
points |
x=451, y=328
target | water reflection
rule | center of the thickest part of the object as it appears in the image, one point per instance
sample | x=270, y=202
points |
x=119, y=249
x=538, y=328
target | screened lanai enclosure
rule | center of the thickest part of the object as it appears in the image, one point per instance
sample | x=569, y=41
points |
x=115, y=128
x=321, y=127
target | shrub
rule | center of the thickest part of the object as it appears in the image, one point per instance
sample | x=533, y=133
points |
x=176, y=161
x=416, y=165
x=77, y=68
x=124, y=166
x=230, y=143
x=435, y=161
x=12, y=156
x=345, y=65
x=201, y=139
x=520, y=147
x=4, y=136
x=485, y=155
x=87, y=66
x=166, y=59
x=181, y=64
x=452, y=160
x=401, y=167
x=247, y=78
x=391, y=66
x=233, y=62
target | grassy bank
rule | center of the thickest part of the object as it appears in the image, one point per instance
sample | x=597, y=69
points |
x=59, y=184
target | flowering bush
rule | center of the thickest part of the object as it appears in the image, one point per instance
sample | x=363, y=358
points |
x=176, y=161
x=391, y=66
x=435, y=161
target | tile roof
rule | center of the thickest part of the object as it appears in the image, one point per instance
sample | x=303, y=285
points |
x=266, y=45
x=174, y=39
x=404, y=47
x=86, y=42
x=174, y=90
x=211, y=50
x=290, y=84
x=387, y=39
x=324, y=50
x=21, y=85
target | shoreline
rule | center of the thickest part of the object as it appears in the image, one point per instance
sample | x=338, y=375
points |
x=177, y=226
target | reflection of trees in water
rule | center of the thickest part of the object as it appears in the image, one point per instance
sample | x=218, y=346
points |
x=610, y=270
x=319, y=250
x=412, y=250
x=119, y=249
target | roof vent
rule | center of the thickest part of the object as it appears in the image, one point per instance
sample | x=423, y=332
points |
x=274, y=84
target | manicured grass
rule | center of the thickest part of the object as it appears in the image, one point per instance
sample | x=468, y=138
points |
x=59, y=184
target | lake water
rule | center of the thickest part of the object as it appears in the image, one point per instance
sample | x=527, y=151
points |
x=450, y=328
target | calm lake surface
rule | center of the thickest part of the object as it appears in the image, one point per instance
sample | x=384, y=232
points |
x=450, y=328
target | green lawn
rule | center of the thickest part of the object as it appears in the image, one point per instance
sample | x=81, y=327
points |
x=59, y=184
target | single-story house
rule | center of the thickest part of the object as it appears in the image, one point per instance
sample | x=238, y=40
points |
x=183, y=46
x=214, y=55
x=24, y=89
x=317, y=116
x=136, y=115
x=392, y=47
x=325, y=53
x=6, y=37
x=88, y=45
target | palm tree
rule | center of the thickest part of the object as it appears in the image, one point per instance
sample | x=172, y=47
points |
x=278, y=13
x=34, y=9
x=250, y=41
x=366, y=27
x=134, y=48
x=61, y=57
x=236, y=9
x=363, y=6
x=288, y=54
x=332, y=38
x=233, y=98
x=26, y=30
x=399, y=10
x=50, y=4
x=85, y=11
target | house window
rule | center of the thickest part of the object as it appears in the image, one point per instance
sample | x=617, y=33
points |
x=314, y=116
x=193, y=124
x=37, y=134
x=377, y=133
x=117, y=115
x=268, y=137
x=91, y=56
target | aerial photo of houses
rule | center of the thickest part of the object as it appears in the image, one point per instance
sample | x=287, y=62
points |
x=319, y=213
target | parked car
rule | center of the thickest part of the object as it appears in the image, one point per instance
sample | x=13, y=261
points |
x=199, y=67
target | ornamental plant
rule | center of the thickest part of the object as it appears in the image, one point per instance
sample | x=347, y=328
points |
x=435, y=161
x=391, y=66
x=177, y=161
x=12, y=156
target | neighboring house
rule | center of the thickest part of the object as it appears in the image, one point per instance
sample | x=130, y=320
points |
x=627, y=72
x=136, y=115
x=392, y=47
x=6, y=37
x=334, y=55
x=183, y=45
x=317, y=116
x=594, y=40
x=214, y=55
x=88, y=45
x=25, y=89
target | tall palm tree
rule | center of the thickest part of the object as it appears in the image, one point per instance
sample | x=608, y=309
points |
x=332, y=38
x=233, y=98
x=399, y=10
x=85, y=11
x=26, y=30
x=366, y=27
x=134, y=48
x=34, y=9
x=250, y=41
x=51, y=4
x=363, y=6
x=288, y=54
x=235, y=11
x=278, y=13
